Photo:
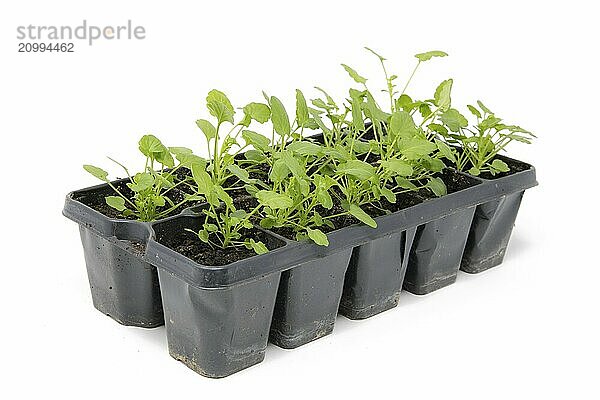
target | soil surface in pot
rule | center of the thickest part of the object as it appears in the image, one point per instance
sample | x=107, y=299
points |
x=188, y=244
x=456, y=182
x=96, y=200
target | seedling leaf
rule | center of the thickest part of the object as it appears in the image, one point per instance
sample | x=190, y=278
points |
x=116, y=202
x=362, y=216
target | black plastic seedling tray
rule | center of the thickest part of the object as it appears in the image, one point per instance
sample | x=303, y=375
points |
x=219, y=318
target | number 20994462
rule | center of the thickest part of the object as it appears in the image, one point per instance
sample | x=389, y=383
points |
x=46, y=47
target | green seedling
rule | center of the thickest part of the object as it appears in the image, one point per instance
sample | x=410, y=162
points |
x=150, y=188
x=479, y=144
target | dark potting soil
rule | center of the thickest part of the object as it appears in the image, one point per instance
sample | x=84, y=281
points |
x=183, y=174
x=202, y=253
x=97, y=200
x=455, y=181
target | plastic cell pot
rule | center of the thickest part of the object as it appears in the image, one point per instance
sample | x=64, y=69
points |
x=217, y=332
x=217, y=320
x=122, y=284
x=308, y=300
x=494, y=220
x=437, y=250
x=375, y=275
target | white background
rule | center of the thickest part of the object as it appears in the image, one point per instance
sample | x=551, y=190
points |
x=528, y=329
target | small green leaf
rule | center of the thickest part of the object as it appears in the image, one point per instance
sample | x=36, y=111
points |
x=405, y=183
x=474, y=111
x=362, y=216
x=202, y=179
x=518, y=138
x=434, y=164
x=500, y=165
x=318, y=121
x=398, y=167
x=354, y=75
x=442, y=95
x=489, y=122
x=240, y=173
x=357, y=115
x=330, y=100
x=279, y=117
x=388, y=194
x=373, y=111
x=402, y=124
x=319, y=103
x=317, y=236
x=223, y=196
x=202, y=234
x=187, y=160
x=274, y=200
x=325, y=199
x=293, y=164
x=207, y=128
x=301, y=109
x=474, y=171
x=454, y=120
x=357, y=168
x=219, y=106
x=441, y=129
x=305, y=148
x=258, y=111
x=141, y=182
x=116, y=202
x=428, y=55
x=425, y=110
x=180, y=151
x=258, y=247
x=445, y=150
x=415, y=148
x=437, y=186
x=257, y=140
x=279, y=172
x=268, y=222
x=151, y=147
x=97, y=172
x=484, y=108
x=404, y=102
x=159, y=201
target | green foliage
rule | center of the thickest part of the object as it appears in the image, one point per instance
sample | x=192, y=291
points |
x=428, y=55
x=474, y=149
x=366, y=156
x=149, y=200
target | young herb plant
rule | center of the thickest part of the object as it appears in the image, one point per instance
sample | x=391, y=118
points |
x=224, y=224
x=406, y=158
x=151, y=188
x=296, y=189
x=479, y=144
